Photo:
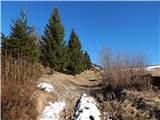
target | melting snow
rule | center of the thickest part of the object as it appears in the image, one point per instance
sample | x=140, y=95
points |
x=51, y=112
x=45, y=86
x=152, y=67
x=97, y=68
x=86, y=109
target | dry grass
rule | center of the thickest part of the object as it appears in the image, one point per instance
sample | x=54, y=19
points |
x=125, y=70
x=18, y=101
x=143, y=105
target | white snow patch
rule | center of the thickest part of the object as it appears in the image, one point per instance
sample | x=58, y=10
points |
x=97, y=68
x=86, y=109
x=152, y=67
x=51, y=112
x=45, y=86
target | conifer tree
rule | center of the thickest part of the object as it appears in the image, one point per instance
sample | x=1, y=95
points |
x=87, y=59
x=3, y=43
x=65, y=56
x=21, y=41
x=75, y=54
x=52, y=47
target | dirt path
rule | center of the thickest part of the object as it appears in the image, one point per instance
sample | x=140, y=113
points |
x=69, y=88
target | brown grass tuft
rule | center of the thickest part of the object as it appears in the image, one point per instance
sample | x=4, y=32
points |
x=17, y=97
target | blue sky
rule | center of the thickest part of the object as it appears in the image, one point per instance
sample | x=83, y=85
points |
x=131, y=27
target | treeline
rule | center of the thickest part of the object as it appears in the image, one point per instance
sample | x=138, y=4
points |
x=50, y=49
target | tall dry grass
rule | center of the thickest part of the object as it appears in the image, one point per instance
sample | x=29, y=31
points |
x=17, y=90
x=126, y=71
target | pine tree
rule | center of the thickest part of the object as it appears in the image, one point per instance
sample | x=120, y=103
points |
x=21, y=41
x=3, y=44
x=87, y=59
x=65, y=56
x=52, y=47
x=75, y=54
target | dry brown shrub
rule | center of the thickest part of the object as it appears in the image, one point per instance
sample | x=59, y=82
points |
x=127, y=71
x=17, y=96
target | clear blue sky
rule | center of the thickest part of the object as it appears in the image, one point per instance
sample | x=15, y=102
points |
x=124, y=26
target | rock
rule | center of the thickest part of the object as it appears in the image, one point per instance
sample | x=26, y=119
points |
x=109, y=116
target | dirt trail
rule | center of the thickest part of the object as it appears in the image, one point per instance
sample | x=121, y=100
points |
x=69, y=88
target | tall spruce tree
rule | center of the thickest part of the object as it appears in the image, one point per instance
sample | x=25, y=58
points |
x=20, y=42
x=87, y=60
x=75, y=54
x=52, y=47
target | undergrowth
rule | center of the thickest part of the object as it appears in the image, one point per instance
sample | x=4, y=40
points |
x=18, y=101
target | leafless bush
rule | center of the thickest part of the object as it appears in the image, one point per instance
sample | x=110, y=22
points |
x=17, y=96
x=127, y=71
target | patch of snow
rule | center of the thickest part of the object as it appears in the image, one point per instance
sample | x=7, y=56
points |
x=51, y=112
x=97, y=68
x=86, y=109
x=152, y=67
x=45, y=86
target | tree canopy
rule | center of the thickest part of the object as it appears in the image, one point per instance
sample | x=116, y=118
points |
x=21, y=41
x=52, y=50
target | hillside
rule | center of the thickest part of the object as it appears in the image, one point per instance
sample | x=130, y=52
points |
x=67, y=90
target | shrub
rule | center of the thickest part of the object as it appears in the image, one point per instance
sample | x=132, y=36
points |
x=18, y=101
x=125, y=71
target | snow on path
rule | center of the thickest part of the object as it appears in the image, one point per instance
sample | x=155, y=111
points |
x=45, y=86
x=152, y=67
x=86, y=109
x=52, y=111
